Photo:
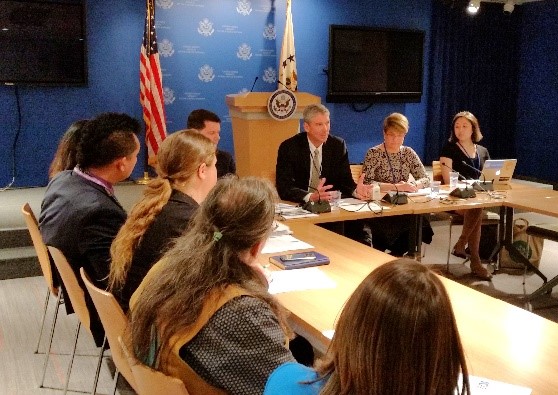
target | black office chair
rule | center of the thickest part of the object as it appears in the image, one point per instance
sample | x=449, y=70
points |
x=549, y=232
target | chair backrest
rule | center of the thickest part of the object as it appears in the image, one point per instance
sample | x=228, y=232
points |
x=114, y=322
x=40, y=247
x=437, y=171
x=356, y=170
x=152, y=382
x=72, y=288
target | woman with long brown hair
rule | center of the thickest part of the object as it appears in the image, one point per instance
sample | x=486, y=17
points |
x=396, y=335
x=203, y=312
x=186, y=173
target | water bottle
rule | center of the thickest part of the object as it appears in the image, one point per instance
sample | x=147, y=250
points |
x=376, y=192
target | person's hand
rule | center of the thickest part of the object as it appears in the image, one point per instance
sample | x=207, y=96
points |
x=322, y=192
x=363, y=191
x=406, y=187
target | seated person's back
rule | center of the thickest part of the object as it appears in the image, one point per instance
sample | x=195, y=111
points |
x=186, y=173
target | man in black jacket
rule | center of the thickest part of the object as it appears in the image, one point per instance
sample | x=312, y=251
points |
x=312, y=164
x=80, y=214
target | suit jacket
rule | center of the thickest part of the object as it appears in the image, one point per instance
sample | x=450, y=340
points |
x=225, y=163
x=169, y=224
x=293, y=167
x=81, y=219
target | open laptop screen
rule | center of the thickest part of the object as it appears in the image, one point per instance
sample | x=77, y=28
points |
x=500, y=171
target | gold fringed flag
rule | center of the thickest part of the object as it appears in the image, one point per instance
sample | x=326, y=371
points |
x=287, y=61
x=151, y=86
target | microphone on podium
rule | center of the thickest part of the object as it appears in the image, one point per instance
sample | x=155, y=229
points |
x=484, y=186
x=463, y=193
x=254, y=84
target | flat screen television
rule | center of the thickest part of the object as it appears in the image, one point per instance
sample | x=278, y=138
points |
x=42, y=42
x=369, y=64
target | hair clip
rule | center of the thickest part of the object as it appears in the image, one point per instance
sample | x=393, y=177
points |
x=217, y=235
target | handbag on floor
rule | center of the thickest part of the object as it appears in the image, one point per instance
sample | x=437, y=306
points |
x=529, y=246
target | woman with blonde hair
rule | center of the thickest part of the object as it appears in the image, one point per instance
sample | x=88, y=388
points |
x=390, y=164
x=186, y=173
x=462, y=153
x=396, y=335
x=203, y=313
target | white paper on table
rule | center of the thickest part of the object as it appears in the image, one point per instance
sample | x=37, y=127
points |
x=420, y=192
x=284, y=243
x=363, y=207
x=329, y=333
x=299, y=280
x=484, y=386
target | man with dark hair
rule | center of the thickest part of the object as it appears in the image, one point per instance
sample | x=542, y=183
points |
x=80, y=214
x=209, y=124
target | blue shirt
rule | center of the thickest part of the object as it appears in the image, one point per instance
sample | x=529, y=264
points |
x=293, y=379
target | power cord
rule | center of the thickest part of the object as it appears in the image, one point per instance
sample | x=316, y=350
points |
x=16, y=138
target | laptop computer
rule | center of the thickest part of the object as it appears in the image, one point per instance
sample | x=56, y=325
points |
x=499, y=172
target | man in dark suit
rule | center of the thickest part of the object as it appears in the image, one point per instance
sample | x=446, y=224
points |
x=80, y=214
x=312, y=164
x=209, y=124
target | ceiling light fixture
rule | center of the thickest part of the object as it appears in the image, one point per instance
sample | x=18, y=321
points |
x=508, y=7
x=473, y=7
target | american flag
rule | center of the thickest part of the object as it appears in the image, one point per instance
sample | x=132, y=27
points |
x=287, y=60
x=151, y=86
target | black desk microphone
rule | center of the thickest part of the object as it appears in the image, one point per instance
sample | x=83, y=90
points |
x=463, y=193
x=254, y=84
x=321, y=206
x=484, y=186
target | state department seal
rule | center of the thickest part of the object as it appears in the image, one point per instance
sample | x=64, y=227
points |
x=281, y=105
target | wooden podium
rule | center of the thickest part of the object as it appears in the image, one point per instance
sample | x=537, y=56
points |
x=256, y=135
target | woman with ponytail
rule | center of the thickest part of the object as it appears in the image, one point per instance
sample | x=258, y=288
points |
x=186, y=173
x=203, y=313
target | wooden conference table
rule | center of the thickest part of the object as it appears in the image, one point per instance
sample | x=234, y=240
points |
x=502, y=342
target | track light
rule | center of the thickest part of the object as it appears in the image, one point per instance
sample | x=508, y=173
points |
x=473, y=7
x=508, y=7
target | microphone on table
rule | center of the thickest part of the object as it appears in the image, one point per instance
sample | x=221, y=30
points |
x=321, y=206
x=395, y=197
x=463, y=193
x=484, y=186
x=254, y=84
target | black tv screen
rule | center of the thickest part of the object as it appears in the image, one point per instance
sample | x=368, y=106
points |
x=42, y=42
x=368, y=64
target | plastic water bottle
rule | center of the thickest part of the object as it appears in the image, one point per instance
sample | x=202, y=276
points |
x=376, y=192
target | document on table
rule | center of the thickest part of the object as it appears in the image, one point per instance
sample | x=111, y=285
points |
x=284, y=243
x=484, y=386
x=359, y=205
x=299, y=280
x=289, y=211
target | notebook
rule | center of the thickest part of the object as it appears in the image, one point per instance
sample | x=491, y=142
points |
x=498, y=171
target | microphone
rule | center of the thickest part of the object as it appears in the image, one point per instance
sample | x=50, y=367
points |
x=463, y=193
x=321, y=206
x=254, y=84
x=395, y=197
x=486, y=186
x=284, y=86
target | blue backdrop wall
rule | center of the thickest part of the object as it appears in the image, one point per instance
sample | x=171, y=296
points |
x=210, y=48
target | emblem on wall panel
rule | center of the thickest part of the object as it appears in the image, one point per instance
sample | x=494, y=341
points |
x=166, y=48
x=244, y=7
x=168, y=95
x=270, y=75
x=282, y=104
x=205, y=27
x=269, y=32
x=206, y=73
x=244, y=52
x=164, y=4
